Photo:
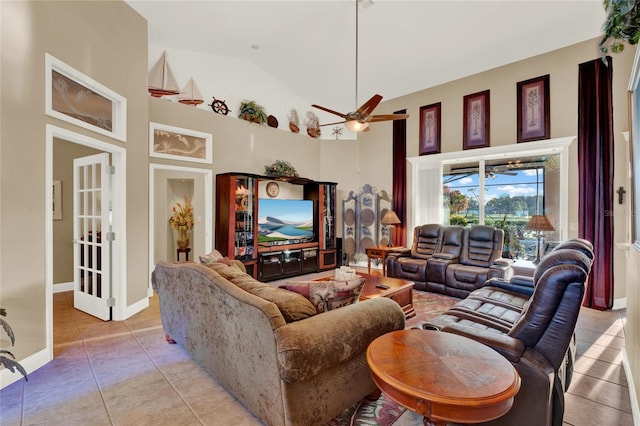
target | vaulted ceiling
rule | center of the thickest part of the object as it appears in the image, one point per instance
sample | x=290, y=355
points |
x=403, y=46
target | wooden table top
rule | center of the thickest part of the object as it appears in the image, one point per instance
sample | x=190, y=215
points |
x=370, y=290
x=443, y=376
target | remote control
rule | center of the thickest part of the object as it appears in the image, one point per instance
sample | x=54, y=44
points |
x=382, y=286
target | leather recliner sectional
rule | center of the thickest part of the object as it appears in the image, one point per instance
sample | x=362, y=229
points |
x=531, y=322
x=452, y=260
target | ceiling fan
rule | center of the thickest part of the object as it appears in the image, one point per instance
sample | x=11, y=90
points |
x=359, y=120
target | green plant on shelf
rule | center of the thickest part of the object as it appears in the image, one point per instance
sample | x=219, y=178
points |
x=251, y=111
x=280, y=168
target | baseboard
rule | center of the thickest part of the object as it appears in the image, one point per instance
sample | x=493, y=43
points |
x=619, y=303
x=31, y=364
x=633, y=396
x=59, y=288
x=131, y=310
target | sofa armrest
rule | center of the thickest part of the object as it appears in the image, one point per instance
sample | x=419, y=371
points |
x=437, y=267
x=512, y=349
x=500, y=270
x=401, y=252
x=503, y=262
x=312, y=345
x=513, y=285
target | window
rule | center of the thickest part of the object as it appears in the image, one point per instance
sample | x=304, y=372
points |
x=510, y=193
x=502, y=186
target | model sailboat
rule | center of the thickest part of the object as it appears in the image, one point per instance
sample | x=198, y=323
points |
x=161, y=79
x=190, y=95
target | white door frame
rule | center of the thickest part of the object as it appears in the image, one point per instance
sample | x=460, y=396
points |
x=208, y=210
x=119, y=257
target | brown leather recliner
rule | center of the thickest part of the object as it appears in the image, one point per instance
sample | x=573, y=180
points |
x=412, y=265
x=480, y=259
x=536, y=343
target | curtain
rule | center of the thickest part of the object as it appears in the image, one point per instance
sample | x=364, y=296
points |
x=595, y=175
x=399, y=185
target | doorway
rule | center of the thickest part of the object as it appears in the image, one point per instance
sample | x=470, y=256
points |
x=169, y=185
x=117, y=218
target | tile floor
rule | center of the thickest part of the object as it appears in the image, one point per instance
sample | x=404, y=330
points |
x=124, y=373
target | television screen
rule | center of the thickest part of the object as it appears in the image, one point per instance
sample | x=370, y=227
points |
x=282, y=220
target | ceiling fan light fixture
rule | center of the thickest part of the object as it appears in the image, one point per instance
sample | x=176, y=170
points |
x=356, y=125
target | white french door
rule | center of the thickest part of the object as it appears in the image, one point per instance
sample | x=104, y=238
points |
x=92, y=235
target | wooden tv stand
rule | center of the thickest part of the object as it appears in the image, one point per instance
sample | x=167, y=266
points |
x=281, y=261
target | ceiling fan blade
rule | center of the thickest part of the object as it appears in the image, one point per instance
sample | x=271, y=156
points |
x=368, y=107
x=333, y=124
x=385, y=117
x=339, y=114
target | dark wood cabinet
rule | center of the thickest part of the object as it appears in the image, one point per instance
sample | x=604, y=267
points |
x=237, y=228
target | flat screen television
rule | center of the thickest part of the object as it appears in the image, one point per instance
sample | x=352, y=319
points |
x=281, y=221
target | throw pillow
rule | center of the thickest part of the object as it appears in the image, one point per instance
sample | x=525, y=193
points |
x=328, y=295
x=214, y=256
x=226, y=271
x=293, y=307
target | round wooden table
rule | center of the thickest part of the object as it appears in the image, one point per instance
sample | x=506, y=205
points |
x=443, y=376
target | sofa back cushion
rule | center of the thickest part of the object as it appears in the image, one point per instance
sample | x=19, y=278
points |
x=452, y=240
x=292, y=306
x=426, y=240
x=482, y=245
x=328, y=295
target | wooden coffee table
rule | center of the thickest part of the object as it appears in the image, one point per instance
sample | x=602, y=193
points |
x=400, y=291
x=443, y=376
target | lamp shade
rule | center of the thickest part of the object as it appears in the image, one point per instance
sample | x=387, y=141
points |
x=539, y=223
x=356, y=125
x=390, y=218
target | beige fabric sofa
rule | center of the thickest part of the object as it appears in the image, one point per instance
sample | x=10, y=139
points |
x=303, y=372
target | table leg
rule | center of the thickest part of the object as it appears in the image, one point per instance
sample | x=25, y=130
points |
x=384, y=266
x=368, y=265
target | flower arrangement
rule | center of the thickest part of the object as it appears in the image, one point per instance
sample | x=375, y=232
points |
x=280, y=168
x=182, y=217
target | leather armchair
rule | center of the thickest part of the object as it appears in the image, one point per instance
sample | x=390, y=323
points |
x=537, y=340
x=480, y=259
x=412, y=265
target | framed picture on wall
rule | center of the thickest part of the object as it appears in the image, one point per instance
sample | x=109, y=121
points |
x=533, y=109
x=430, y=129
x=475, y=128
x=73, y=97
x=180, y=144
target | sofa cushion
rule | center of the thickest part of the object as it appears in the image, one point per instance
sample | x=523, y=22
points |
x=292, y=306
x=208, y=258
x=328, y=295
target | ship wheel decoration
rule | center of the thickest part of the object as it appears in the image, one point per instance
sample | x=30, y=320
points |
x=219, y=107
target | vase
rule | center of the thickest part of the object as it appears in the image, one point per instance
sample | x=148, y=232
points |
x=183, y=239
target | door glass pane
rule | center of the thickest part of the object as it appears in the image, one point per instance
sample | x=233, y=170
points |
x=461, y=194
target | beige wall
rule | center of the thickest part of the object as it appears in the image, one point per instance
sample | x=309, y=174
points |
x=107, y=41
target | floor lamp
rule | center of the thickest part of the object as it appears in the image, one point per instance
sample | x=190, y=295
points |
x=539, y=223
x=390, y=219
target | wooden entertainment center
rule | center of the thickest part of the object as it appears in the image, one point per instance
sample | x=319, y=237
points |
x=237, y=227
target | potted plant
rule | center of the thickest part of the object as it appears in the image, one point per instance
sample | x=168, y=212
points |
x=182, y=220
x=251, y=111
x=622, y=25
x=280, y=168
x=7, y=359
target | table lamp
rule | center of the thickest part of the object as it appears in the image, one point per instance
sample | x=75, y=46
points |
x=390, y=219
x=539, y=223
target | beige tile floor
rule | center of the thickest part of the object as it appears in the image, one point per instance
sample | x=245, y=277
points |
x=124, y=373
